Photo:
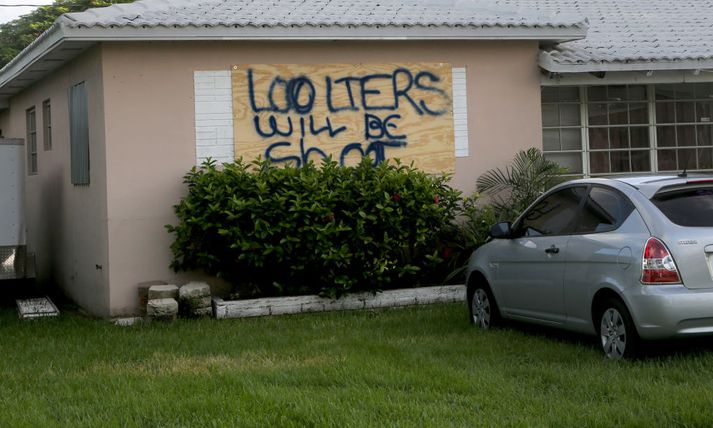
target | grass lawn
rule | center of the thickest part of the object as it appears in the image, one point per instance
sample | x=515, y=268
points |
x=407, y=367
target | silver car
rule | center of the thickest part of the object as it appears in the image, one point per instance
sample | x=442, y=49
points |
x=625, y=259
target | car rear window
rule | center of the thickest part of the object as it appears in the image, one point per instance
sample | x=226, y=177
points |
x=687, y=207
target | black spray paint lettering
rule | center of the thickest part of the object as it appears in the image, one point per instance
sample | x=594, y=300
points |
x=347, y=83
x=380, y=134
x=299, y=94
x=375, y=149
x=376, y=128
x=304, y=153
x=287, y=131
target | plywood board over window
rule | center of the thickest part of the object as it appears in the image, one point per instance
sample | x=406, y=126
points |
x=299, y=113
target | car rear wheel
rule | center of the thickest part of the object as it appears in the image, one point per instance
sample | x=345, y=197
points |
x=617, y=333
x=483, y=310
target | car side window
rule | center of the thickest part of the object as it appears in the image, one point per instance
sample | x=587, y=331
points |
x=553, y=215
x=604, y=210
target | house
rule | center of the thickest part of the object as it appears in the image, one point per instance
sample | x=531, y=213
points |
x=115, y=104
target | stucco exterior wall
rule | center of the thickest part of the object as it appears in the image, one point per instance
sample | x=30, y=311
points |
x=150, y=135
x=66, y=224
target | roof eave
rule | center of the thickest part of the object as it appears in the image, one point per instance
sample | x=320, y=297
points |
x=352, y=32
x=49, y=40
x=548, y=63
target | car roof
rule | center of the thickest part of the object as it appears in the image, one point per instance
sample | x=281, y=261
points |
x=649, y=185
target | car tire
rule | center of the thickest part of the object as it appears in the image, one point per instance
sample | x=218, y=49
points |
x=617, y=333
x=483, y=310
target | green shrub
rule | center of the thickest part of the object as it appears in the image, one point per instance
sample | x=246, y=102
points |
x=274, y=231
x=474, y=221
x=477, y=218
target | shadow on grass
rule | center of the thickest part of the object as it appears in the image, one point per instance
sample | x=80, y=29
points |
x=552, y=333
x=675, y=348
x=650, y=350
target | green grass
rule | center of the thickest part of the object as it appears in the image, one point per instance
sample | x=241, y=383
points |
x=409, y=367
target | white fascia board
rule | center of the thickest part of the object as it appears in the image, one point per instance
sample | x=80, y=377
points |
x=325, y=33
x=627, y=78
x=549, y=64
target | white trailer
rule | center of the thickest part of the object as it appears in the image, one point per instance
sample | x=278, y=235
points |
x=13, y=250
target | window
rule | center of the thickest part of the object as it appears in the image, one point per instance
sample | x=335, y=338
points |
x=562, y=127
x=47, y=124
x=553, y=215
x=627, y=129
x=688, y=207
x=79, y=134
x=604, y=210
x=31, y=117
x=618, y=118
x=683, y=126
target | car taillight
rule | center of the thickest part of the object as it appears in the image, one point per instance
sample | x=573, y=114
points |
x=658, y=264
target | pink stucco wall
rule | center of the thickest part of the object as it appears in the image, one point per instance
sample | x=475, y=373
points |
x=67, y=224
x=150, y=135
x=99, y=241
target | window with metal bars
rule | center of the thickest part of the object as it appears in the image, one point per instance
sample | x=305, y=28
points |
x=624, y=129
x=79, y=134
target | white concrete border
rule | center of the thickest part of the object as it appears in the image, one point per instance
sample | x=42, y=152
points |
x=300, y=304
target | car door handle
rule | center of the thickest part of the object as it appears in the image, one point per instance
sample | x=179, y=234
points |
x=552, y=250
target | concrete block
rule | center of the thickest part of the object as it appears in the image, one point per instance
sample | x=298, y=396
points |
x=163, y=292
x=192, y=303
x=292, y=305
x=344, y=303
x=194, y=289
x=285, y=309
x=143, y=291
x=312, y=304
x=162, y=309
x=203, y=312
x=246, y=312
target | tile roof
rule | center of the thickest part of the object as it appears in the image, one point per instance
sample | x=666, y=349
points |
x=630, y=34
x=298, y=13
x=144, y=20
x=576, y=36
x=623, y=34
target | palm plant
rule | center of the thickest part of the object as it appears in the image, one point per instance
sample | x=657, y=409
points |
x=512, y=190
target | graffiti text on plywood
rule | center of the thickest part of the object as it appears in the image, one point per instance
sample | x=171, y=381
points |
x=301, y=113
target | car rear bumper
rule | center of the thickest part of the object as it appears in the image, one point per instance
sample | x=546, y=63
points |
x=666, y=311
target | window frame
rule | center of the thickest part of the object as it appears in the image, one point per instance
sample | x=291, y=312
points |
x=79, y=144
x=695, y=100
x=47, y=124
x=582, y=127
x=628, y=101
x=31, y=144
x=652, y=125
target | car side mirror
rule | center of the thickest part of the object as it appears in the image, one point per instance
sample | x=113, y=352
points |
x=502, y=230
